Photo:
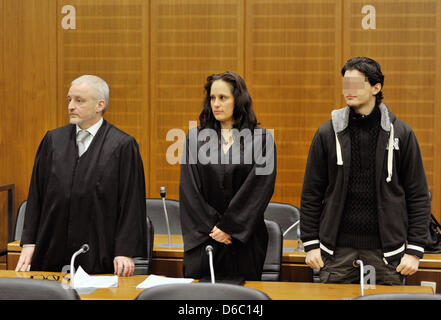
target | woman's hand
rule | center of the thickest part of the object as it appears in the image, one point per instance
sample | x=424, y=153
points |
x=220, y=236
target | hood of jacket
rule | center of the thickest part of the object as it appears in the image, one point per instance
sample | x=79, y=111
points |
x=340, y=121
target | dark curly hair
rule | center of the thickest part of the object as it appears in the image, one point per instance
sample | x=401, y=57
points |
x=243, y=114
x=370, y=68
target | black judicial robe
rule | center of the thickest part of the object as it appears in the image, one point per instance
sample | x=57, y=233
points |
x=233, y=198
x=98, y=199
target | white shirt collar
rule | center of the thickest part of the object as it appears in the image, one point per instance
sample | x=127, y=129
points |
x=93, y=129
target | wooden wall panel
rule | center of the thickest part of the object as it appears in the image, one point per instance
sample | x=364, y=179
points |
x=293, y=56
x=156, y=56
x=27, y=86
x=189, y=41
x=111, y=41
x=406, y=44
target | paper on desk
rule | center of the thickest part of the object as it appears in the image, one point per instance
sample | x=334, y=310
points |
x=83, y=280
x=153, y=280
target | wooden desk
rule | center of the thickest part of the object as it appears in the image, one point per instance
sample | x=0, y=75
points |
x=275, y=290
x=290, y=256
x=168, y=261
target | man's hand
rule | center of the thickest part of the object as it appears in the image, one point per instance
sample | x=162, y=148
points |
x=24, y=262
x=408, y=265
x=124, y=266
x=314, y=259
x=220, y=236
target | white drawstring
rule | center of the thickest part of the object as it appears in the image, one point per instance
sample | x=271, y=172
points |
x=390, y=154
x=338, y=149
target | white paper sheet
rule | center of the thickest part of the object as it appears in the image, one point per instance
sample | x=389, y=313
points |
x=83, y=280
x=153, y=280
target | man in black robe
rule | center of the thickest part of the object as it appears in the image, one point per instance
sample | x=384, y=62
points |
x=87, y=190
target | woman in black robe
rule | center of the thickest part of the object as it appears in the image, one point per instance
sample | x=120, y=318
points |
x=228, y=173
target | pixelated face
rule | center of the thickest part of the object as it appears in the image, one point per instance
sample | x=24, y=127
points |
x=357, y=90
x=84, y=108
x=222, y=102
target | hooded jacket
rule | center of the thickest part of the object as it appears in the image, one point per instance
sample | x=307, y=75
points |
x=402, y=193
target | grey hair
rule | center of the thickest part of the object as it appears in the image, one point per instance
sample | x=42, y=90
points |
x=98, y=84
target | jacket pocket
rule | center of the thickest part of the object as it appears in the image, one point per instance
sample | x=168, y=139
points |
x=392, y=225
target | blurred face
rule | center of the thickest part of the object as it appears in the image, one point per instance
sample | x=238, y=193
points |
x=357, y=90
x=84, y=107
x=222, y=103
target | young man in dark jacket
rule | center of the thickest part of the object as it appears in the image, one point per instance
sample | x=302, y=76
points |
x=365, y=195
